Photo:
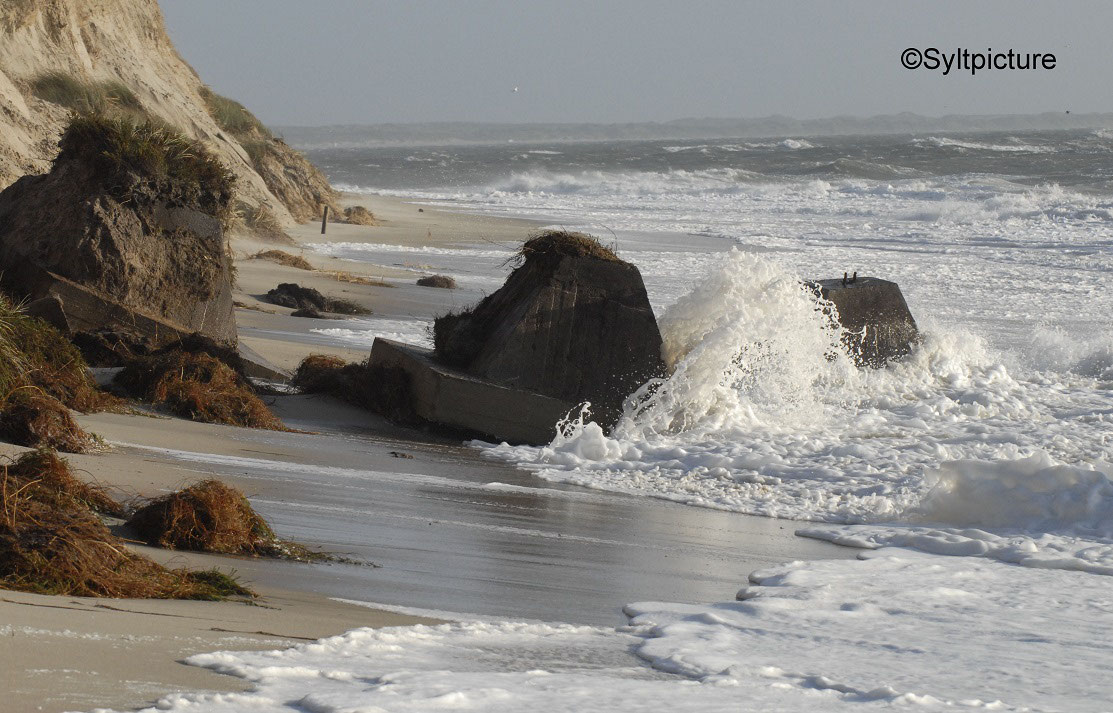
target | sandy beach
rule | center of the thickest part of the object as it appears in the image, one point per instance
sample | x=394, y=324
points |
x=66, y=653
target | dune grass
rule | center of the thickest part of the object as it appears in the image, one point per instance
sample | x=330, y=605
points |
x=210, y=516
x=547, y=246
x=233, y=117
x=52, y=542
x=197, y=386
x=358, y=215
x=42, y=377
x=382, y=389
x=88, y=97
x=444, y=282
x=283, y=258
x=120, y=148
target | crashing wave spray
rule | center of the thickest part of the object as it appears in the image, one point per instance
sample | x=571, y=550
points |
x=749, y=346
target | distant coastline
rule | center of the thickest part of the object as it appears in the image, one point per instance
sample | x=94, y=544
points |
x=395, y=134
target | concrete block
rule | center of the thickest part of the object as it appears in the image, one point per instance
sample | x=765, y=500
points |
x=455, y=398
x=879, y=326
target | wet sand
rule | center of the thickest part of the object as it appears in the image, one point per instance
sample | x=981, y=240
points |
x=455, y=531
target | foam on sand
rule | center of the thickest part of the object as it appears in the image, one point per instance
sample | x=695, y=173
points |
x=894, y=630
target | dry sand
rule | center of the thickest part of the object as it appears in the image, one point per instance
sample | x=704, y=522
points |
x=269, y=330
x=69, y=653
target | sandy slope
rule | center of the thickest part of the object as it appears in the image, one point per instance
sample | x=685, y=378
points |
x=107, y=40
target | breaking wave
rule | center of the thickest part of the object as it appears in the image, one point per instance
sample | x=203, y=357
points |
x=764, y=413
x=1017, y=147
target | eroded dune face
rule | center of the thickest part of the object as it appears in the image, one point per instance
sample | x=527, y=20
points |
x=123, y=45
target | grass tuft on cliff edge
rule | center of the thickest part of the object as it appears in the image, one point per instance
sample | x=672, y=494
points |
x=122, y=150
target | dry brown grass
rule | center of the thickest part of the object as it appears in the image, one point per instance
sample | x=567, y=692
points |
x=52, y=479
x=52, y=543
x=352, y=278
x=42, y=375
x=211, y=517
x=197, y=386
x=548, y=246
x=457, y=338
x=34, y=419
x=358, y=215
x=442, y=281
x=54, y=365
x=384, y=390
x=283, y=258
x=207, y=517
x=316, y=373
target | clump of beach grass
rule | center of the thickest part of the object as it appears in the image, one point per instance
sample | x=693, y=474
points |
x=283, y=258
x=125, y=153
x=52, y=363
x=43, y=376
x=358, y=215
x=318, y=373
x=53, y=481
x=30, y=418
x=232, y=116
x=52, y=542
x=457, y=338
x=382, y=389
x=210, y=516
x=548, y=246
x=197, y=386
x=444, y=282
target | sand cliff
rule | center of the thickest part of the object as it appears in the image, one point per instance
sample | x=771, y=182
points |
x=99, y=42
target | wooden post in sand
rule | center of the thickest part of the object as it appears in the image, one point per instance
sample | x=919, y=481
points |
x=324, y=221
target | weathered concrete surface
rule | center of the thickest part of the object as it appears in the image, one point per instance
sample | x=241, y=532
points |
x=257, y=366
x=452, y=397
x=572, y=322
x=878, y=324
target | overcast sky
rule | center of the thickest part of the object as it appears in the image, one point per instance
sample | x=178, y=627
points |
x=363, y=61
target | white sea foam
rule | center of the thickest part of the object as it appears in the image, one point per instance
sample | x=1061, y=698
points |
x=764, y=414
x=894, y=630
x=343, y=248
x=942, y=142
x=363, y=332
x=1031, y=511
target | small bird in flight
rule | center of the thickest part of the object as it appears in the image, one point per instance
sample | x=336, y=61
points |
x=515, y=90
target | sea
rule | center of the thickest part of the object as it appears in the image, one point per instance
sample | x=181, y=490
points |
x=974, y=476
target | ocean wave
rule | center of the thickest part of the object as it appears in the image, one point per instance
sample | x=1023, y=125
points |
x=785, y=145
x=945, y=142
x=640, y=183
x=765, y=414
x=1030, y=511
x=343, y=248
x=856, y=168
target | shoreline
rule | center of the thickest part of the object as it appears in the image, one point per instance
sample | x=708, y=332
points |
x=84, y=649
